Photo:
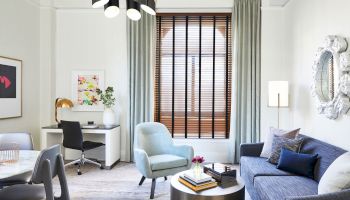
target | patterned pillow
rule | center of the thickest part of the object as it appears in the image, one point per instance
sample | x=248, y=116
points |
x=266, y=151
x=282, y=142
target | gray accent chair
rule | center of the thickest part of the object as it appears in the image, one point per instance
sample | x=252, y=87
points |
x=49, y=165
x=156, y=155
x=25, y=142
x=264, y=181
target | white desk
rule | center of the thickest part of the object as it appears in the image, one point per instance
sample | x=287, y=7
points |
x=110, y=153
x=26, y=162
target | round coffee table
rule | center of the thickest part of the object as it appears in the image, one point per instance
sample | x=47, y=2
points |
x=180, y=192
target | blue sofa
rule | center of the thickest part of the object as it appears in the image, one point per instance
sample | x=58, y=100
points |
x=265, y=182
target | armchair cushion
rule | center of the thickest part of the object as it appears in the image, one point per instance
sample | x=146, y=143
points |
x=166, y=161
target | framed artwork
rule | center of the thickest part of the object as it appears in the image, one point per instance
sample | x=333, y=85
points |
x=10, y=88
x=84, y=95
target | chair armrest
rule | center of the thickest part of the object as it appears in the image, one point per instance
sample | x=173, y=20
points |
x=185, y=151
x=142, y=162
x=251, y=149
x=342, y=195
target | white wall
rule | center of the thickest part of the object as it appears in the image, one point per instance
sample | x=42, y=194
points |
x=87, y=40
x=273, y=65
x=19, y=38
x=308, y=24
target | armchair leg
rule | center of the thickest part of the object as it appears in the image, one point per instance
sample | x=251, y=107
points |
x=165, y=178
x=152, y=188
x=142, y=180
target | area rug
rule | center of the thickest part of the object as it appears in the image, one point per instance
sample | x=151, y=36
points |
x=121, y=182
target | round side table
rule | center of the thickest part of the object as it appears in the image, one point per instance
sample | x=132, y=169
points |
x=180, y=192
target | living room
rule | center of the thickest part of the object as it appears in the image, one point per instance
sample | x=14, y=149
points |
x=219, y=76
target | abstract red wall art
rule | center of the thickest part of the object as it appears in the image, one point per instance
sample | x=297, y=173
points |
x=10, y=88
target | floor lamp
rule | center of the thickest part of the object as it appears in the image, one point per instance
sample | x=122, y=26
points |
x=278, y=96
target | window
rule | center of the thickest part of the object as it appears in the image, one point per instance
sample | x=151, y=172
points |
x=193, y=74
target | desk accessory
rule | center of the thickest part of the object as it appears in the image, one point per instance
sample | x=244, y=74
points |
x=89, y=126
x=62, y=103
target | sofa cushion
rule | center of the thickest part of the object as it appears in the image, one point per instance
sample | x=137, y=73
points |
x=282, y=142
x=297, y=163
x=280, y=187
x=267, y=148
x=327, y=154
x=337, y=176
x=257, y=166
x=166, y=161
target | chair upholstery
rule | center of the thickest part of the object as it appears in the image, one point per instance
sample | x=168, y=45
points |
x=48, y=165
x=156, y=155
x=73, y=139
x=154, y=139
x=25, y=142
x=166, y=161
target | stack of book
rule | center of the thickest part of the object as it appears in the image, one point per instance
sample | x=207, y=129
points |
x=197, y=183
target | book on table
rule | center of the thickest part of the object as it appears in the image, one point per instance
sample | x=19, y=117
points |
x=197, y=178
x=195, y=186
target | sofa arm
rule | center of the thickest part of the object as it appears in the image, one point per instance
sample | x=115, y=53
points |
x=251, y=149
x=142, y=162
x=342, y=195
x=185, y=151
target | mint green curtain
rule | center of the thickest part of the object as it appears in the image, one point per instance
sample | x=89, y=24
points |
x=245, y=122
x=140, y=65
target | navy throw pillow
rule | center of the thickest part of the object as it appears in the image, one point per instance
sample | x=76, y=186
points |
x=297, y=163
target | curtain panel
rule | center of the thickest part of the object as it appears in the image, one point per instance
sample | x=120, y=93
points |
x=141, y=39
x=246, y=33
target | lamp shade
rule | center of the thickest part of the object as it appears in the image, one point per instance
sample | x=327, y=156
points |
x=112, y=8
x=148, y=6
x=99, y=3
x=133, y=10
x=278, y=94
x=64, y=103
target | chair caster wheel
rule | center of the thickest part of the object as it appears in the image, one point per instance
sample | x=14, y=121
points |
x=79, y=173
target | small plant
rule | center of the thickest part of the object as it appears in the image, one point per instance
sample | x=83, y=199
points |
x=107, y=97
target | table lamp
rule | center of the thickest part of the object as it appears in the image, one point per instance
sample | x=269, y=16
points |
x=62, y=103
x=278, y=96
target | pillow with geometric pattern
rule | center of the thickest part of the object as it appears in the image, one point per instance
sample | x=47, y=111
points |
x=281, y=142
x=267, y=148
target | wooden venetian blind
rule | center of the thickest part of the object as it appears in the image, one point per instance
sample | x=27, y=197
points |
x=193, y=74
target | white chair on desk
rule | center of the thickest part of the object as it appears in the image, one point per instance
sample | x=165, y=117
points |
x=73, y=139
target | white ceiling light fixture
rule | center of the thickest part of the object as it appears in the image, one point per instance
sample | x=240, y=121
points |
x=99, y=3
x=133, y=10
x=148, y=6
x=133, y=7
x=112, y=8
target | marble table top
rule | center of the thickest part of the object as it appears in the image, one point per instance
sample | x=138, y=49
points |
x=26, y=162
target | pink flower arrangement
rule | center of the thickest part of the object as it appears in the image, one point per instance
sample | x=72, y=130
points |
x=198, y=159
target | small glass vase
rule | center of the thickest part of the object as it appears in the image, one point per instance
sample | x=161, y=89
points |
x=197, y=170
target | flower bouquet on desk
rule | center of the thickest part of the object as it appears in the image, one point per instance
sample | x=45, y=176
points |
x=195, y=179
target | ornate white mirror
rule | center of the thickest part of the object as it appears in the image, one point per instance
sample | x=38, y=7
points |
x=331, y=77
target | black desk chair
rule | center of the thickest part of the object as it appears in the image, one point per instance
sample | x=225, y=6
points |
x=73, y=139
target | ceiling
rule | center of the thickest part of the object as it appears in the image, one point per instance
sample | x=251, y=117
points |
x=161, y=4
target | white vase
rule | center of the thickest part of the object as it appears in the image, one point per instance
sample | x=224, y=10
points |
x=108, y=117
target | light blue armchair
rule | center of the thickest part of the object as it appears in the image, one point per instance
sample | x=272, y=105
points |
x=156, y=155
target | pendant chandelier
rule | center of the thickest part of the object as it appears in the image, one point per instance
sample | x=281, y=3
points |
x=111, y=8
